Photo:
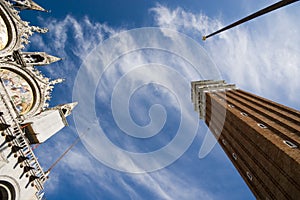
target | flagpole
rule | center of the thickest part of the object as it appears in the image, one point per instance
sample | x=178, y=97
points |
x=63, y=155
x=254, y=15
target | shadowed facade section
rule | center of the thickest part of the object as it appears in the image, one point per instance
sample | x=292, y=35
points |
x=260, y=137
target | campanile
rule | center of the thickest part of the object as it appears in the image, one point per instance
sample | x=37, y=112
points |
x=260, y=137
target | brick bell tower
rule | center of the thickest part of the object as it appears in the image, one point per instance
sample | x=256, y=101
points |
x=25, y=116
x=261, y=137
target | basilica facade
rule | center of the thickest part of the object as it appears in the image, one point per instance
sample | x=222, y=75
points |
x=25, y=116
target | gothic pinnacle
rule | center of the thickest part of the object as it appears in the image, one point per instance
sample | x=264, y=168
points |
x=28, y=5
x=39, y=58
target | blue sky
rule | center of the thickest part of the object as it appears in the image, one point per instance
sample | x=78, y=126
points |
x=260, y=56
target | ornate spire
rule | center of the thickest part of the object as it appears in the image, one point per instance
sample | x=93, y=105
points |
x=66, y=109
x=35, y=6
x=38, y=58
x=28, y=5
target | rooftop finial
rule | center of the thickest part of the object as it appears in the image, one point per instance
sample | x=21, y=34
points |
x=56, y=81
x=39, y=29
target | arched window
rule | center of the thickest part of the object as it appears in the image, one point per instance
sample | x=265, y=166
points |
x=7, y=191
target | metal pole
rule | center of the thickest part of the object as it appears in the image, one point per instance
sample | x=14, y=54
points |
x=68, y=149
x=254, y=15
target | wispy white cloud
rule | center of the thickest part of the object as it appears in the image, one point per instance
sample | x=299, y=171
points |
x=163, y=184
x=70, y=30
x=67, y=38
x=169, y=185
x=179, y=19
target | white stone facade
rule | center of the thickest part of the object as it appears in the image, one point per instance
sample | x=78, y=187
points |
x=24, y=114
